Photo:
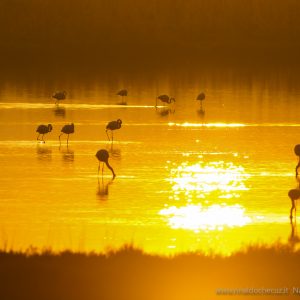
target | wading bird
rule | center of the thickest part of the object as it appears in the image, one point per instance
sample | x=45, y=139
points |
x=297, y=152
x=201, y=97
x=294, y=195
x=122, y=93
x=102, y=155
x=59, y=96
x=67, y=129
x=113, y=125
x=165, y=99
x=43, y=129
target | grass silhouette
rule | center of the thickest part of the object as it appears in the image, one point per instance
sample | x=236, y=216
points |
x=128, y=273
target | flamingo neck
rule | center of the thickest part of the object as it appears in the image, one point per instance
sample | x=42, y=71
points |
x=112, y=170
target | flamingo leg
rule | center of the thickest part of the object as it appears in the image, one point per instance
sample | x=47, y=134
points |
x=102, y=169
x=297, y=167
x=107, y=135
x=38, y=137
x=68, y=140
x=292, y=208
x=98, y=169
x=59, y=138
x=112, y=136
x=43, y=138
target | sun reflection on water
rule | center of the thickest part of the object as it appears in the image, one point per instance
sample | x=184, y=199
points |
x=202, y=188
x=205, y=178
x=197, y=217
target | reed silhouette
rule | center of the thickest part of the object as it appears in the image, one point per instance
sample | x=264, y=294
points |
x=67, y=129
x=103, y=155
x=131, y=274
x=43, y=129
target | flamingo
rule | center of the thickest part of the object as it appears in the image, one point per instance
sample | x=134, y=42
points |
x=123, y=93
x=67, y=129
x=201, y=97
x=113, y=125
x=59, y=96
x=43, y=129
x=294, y=195
x=297, y=152
x=165, y=99
x=103, y=155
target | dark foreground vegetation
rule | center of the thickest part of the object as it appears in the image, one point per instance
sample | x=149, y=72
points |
x=131, y=274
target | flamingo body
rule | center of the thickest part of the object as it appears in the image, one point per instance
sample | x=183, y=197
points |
x=297, y=152
x=113, y=125
x=294, y=195
x=59, y=96
x=122, y=93
x=103, y=155
x=201, y=97
x=43, y=129
x=67, y=129
x=165, y=99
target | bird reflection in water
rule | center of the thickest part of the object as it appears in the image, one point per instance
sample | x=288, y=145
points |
x=103, y=189
x=293, y=238
x=59, y=111
x=201, y=113
x=164, y=112
x=43, y=152
x=67, y=154
x=114, y=152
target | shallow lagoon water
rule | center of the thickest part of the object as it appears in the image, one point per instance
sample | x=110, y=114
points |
x=186, y=181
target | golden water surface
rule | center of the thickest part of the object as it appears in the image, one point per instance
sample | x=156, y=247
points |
x=186, y=180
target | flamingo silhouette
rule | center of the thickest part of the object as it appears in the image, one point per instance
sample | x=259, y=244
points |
x=67, y=129
x=165, y=99
x=297, y=152
x=113, y=125
x=103, y=155
x=43, y=129
x=294, y=195
x=123, y=93
x=59, y=96
x=201, y=97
